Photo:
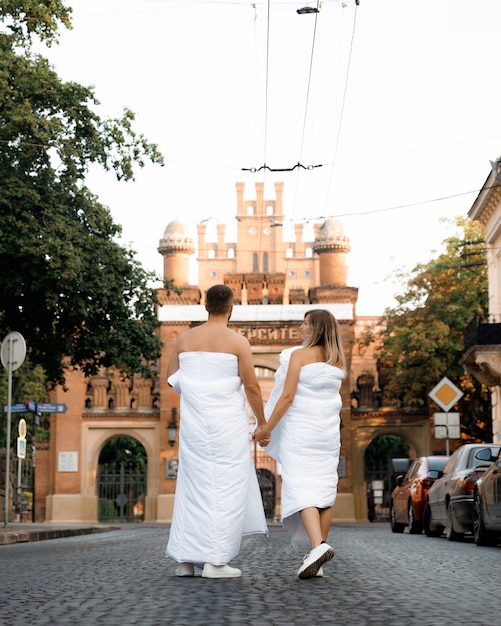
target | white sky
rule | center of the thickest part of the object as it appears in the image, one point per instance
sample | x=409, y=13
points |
x=400, y=109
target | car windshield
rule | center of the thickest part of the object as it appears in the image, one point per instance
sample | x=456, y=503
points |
x=437, y=464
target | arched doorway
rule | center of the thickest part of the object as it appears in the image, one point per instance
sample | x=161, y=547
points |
x=122, y=481
x=380, y=474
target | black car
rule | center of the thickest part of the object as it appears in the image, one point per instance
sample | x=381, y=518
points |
x=449, y=504
x=487, y=506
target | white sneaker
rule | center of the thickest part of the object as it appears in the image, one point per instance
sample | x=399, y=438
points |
x=314, y=560
x=220, y=571
x=185, y=569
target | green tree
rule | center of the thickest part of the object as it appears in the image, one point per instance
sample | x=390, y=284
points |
x=126, y=450
x=66, y=284
x=422, y=337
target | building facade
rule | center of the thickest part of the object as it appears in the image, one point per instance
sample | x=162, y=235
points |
x=274, y=282
x=482, y=357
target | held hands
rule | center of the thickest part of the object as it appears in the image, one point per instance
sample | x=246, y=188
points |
x=262, y=436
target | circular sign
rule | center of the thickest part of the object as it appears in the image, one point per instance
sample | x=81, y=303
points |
x=22, y=428
x=13, y=351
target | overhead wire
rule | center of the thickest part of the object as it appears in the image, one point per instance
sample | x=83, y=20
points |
x=343, y=104
x=306, y=111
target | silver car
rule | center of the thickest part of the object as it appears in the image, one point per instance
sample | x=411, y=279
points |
x=487, y=506
x=449, y=504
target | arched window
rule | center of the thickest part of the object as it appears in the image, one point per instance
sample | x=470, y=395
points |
x=265, y=262
x=255, y=262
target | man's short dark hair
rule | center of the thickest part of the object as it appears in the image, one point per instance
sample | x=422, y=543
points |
x=218, y=299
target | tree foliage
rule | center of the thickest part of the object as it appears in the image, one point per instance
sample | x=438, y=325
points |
x=126, y=450
x=422, y=336
x=66, y=284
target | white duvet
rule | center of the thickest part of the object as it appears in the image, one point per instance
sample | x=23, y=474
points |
x=217, y=493
x=306, y=442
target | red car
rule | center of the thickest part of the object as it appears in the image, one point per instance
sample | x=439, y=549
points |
x=408, y=499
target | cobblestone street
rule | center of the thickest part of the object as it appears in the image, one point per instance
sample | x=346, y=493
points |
x=376, y=579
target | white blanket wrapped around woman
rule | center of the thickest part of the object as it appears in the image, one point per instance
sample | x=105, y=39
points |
x=217, y=497
x=306, y=441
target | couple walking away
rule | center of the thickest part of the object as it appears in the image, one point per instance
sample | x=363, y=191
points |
x=217, y=495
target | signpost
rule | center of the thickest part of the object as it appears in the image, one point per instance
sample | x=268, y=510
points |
x=45, y=407
x=29, y=406
x=447, y=425
x=35, y=407
x=12, y=353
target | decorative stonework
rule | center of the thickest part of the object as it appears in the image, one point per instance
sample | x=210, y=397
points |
x=331, y=238
x=176, y=239
x=484, y=364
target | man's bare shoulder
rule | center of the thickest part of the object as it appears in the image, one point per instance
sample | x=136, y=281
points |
x=234, y=340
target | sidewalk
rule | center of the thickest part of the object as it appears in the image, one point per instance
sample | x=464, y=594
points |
x=24, y=532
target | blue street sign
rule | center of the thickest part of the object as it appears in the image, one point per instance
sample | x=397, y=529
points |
x=51, y=408
x=44, y=407
x=20, y=407
x=32, y=405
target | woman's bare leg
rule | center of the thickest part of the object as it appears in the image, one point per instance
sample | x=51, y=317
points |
x=325, y=522
x=311, y=521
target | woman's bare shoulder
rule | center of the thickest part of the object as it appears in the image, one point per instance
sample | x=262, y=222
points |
x=305, y=356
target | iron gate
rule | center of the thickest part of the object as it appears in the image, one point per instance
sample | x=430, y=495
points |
x=383, y=472
x=121, y=493
x=267, y=487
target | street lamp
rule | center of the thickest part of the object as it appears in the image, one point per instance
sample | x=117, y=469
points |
x=172, y=428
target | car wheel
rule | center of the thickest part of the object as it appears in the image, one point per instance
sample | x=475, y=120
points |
x=415, y=526
x=481, y=535
x=395, y=526
x=429, y=531
x=450, y=533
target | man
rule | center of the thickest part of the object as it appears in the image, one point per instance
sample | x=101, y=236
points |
x=217, y=496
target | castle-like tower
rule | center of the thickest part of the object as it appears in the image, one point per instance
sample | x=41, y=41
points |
x=261, y=267
x=176, y=246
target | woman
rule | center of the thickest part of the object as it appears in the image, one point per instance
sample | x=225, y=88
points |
x=303, y=414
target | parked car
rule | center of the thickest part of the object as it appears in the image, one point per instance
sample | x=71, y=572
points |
x=449, y=504
x=408, y=499
x=487, y=506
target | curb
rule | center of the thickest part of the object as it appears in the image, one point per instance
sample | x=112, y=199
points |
x=9, y=537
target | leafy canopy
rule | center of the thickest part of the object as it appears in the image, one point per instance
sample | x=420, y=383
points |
x=66, y=284
x=422, y=336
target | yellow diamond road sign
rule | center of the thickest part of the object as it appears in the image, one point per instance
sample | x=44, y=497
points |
x=445, y=394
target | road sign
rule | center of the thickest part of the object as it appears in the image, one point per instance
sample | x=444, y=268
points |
x=21, y=448
x=447, y=425
x=15, y=408
x=32, y=405
x=13, y=351
x=46, y=407
x=445, y=394
x=22, y=428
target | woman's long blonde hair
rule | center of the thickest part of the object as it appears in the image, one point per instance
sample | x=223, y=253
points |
x=325, y=333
